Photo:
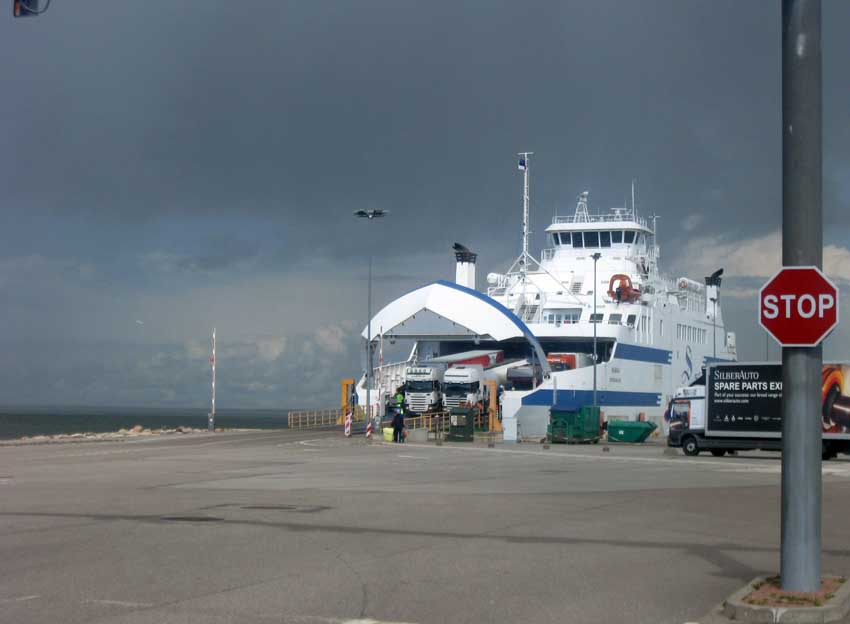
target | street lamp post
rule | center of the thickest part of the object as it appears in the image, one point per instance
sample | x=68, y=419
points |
x=370, y=215
x=595, y=257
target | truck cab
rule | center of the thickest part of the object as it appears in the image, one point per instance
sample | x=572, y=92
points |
x=686, y=412
x=463, y=384
x=423, y=389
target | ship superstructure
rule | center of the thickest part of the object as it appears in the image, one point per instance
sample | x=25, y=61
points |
x=599, y=276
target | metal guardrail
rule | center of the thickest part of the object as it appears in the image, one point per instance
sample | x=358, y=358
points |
x=431, y=422
x=314, y=419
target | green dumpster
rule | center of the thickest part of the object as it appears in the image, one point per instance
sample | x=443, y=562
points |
x=461, y=424
x=572, y=425
x=629, y=431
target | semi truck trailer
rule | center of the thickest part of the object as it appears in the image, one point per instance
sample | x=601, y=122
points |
x=739, y=408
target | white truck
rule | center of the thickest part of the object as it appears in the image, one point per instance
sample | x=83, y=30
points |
x=464, y=384
x=423, y=388
x=740, y=409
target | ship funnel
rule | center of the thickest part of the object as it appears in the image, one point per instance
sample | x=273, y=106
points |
x=465, y=270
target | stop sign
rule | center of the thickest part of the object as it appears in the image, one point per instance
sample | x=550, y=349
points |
x=798, y=306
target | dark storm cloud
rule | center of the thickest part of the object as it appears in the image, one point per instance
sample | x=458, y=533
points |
x=155, y=150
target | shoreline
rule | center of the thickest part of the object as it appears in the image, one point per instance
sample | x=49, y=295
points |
x=134, y=433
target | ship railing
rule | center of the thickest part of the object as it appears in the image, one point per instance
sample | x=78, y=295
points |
x=607, y=218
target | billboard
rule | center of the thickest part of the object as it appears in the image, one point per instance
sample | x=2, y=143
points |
x=745, y=400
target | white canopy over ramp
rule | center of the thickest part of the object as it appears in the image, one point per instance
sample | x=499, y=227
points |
x=445, y=307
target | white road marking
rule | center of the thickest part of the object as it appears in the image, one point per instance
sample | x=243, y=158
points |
x=119, y=603
x=367, y=621
x=730, y=465
x=412, y=457
x=19, y=599
x=308, y=442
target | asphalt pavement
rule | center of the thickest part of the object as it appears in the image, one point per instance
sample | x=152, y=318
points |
x=312, y=528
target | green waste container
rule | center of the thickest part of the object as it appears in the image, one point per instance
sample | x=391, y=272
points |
x=573, y=425
x=461, y=424
x=629, y=431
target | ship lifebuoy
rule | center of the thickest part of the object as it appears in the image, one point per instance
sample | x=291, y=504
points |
x=628, y=293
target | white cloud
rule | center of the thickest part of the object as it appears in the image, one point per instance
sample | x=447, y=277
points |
x=331, y=338
x=272, y=348
x=692, y=221
x=758, y=257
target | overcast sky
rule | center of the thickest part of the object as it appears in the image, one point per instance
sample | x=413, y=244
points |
x=190, y=164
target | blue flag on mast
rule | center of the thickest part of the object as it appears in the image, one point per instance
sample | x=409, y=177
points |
x=521, y=165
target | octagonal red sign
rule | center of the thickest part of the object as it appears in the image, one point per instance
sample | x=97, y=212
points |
x=799, y=306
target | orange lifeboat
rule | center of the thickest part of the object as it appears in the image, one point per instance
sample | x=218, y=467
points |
x=620, y=289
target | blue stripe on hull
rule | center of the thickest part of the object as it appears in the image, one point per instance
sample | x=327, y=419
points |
x=625, y=351
x=573, y=399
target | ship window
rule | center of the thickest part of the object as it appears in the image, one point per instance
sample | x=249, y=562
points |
x=629, y=238
x=615, y=319
x=604, y=239
x=596, y=318
x=640, y=239
x=591, y=239
x=555, y=239
x=630, y=320
x=577, y=240
x=617, y=237
x=565, y=238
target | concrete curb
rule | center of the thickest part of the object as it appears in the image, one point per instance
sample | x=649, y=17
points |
x=835, y=608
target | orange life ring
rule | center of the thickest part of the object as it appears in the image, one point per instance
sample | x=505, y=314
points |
x=628, y=293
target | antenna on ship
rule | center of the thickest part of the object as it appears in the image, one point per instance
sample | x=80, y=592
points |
x=634, y=214
x=582, y=215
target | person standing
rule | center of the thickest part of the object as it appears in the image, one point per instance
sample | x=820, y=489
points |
x=398, y=426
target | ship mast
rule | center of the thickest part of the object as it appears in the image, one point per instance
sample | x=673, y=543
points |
x=523, y=165
x=525, y=257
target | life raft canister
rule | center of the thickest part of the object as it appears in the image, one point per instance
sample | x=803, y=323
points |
x=628, y=293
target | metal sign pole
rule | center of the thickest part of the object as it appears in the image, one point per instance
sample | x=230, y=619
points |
x=802, y=244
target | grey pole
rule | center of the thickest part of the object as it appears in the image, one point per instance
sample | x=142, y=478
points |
x=369, y=347
x=595, y=257
x=370, y=215
x=802, y=244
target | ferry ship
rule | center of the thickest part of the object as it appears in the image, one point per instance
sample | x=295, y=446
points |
x=597, y=291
